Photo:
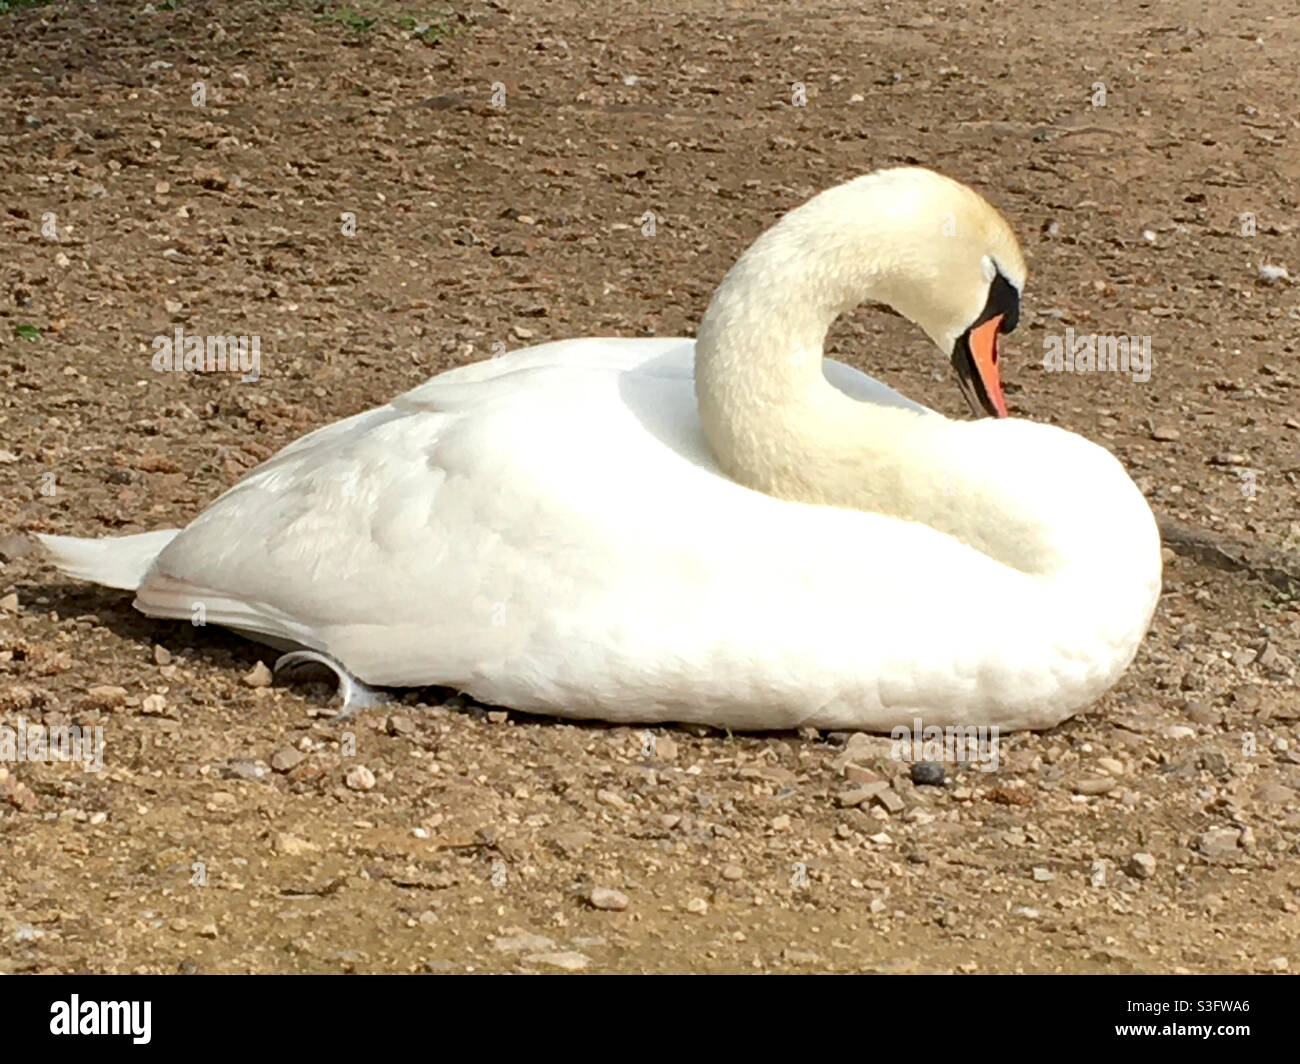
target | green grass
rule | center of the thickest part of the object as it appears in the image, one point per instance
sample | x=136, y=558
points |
x=27, y=332
x=429, y=28
x=354, y=21
x=7, y=6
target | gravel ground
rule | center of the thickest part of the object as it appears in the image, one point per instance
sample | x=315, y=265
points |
x=351, y=192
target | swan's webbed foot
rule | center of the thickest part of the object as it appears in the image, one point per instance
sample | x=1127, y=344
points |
x=356, y=695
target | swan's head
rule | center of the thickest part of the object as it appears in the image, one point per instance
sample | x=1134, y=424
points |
x=943, y=257
x=974, y=350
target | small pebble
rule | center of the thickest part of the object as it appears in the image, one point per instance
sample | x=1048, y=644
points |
x=294, y=845
x=106, y=697
x=154, y=706
x=360, y=778
x=1141, y=866
x=286, y=759
x=665, y=748
x=928, y=774
x=522, y=943
x=243, y=768
x=800, y=958
x=1274, y=794
x=856, y=796
x=889, y=800
x=258, y=676
x=1218, y=842
x=607, y=899
x=568, y=960
x=400, y=724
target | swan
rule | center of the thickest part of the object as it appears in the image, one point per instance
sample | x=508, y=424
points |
x=733, y=531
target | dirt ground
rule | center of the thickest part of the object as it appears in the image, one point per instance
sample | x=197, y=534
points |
x=234, y=828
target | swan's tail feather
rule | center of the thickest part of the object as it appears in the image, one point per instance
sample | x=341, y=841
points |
x=126, y=562
x=116, y=561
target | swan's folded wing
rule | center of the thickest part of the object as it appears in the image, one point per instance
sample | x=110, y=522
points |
x=866, y=389
x=165, y=596
x=666, y=357
x=386, y=540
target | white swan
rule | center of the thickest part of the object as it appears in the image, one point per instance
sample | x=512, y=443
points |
x=565, y=531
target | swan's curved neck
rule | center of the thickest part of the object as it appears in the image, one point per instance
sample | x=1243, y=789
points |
x=758, y=354
x=776, y=424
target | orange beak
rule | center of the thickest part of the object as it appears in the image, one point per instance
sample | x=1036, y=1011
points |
x=975, y=357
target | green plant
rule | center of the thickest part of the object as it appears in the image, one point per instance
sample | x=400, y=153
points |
x=7, y=6
x=354, y=20
x=429, y=28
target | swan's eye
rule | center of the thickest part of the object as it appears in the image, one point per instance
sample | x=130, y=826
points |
x=1003, y=300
